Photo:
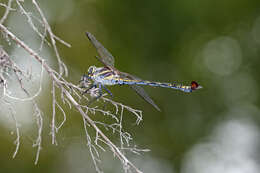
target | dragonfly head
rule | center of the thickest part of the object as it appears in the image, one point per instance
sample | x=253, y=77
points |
x=195, y=86
x=91, y=71
x=89, y=75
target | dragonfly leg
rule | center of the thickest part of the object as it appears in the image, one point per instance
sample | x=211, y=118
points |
x=89, y=88
x=107, y=90
x=100, y=90
x=99, y=95
x=84, y=78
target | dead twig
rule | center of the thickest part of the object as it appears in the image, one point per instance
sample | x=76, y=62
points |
x=68, y=90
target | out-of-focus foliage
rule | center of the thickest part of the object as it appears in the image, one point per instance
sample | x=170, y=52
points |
x=216, y=43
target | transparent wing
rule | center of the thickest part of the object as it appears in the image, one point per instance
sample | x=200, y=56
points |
x=108, y=60
x=139, y=90
x=105, y=56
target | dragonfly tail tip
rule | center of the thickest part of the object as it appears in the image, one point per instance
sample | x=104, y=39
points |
x=195, y=85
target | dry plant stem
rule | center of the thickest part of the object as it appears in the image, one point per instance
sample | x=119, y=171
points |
x=17, y=129
x=39, y=121
x=137, y=113
x=53, y=127
x=29, y=19
x=120, y=128
x=46, y=29
x=62, y=66
x=6, y=65
x=37, y=113
x=112, y=146
x=59, y=84
x=91, y=147
x=17, y=125
x=17, y=140
x=7, y=10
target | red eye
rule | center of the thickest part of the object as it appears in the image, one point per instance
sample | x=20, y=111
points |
x=194, y=85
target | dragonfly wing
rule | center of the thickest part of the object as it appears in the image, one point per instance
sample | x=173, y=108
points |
x=139, y=90
x=103, y=62
x=108, y=60
x=105, y=56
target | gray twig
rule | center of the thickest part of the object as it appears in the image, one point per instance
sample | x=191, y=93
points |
x=69, y=90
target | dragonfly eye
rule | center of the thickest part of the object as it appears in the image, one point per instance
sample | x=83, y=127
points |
x=91, y=70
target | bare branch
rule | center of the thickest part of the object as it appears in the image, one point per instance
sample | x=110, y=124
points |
x=64, y=117
x=91, y=147
x=137, y=113
x=17, y=140
x=7, y=10
x=62, y=66
x=29, y=20
x=67, y=90
x=53, y=126
x=38, y=142
x=30, y=98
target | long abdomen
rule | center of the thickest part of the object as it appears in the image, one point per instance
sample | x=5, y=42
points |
x=184, y=88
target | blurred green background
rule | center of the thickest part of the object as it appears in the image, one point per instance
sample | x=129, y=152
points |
x=217, y=43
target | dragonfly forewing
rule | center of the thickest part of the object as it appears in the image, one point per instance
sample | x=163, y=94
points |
x=105, y=56
x=139, y=90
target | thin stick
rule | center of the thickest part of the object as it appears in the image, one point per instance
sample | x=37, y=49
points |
x=62, y=66
x=56, y=79
x=7, y=10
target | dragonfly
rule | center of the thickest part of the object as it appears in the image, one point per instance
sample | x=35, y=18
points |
x=108, y=75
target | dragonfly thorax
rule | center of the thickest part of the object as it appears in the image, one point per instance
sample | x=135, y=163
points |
x=101, y=75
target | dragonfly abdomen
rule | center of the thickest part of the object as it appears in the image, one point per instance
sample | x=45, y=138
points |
x=183, y=88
